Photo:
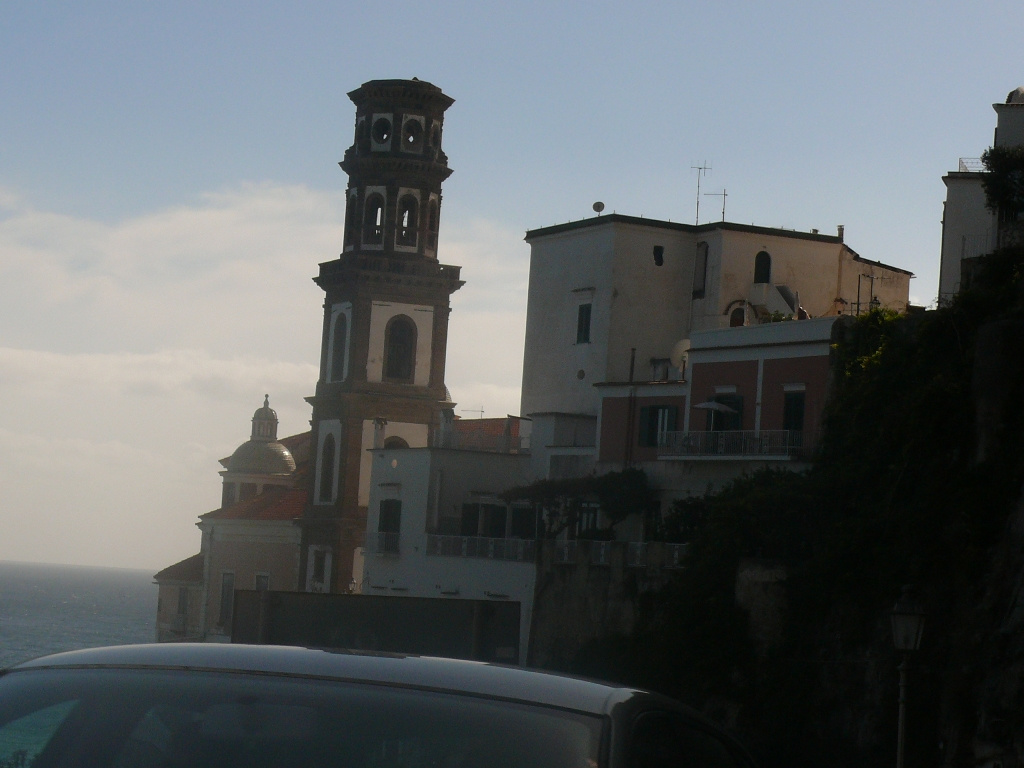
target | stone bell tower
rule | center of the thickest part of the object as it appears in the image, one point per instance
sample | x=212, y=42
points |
x=385, y=324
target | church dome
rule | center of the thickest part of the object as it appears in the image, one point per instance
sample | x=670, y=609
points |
x=262, y=454
x=1016, y=96
x=260, y=457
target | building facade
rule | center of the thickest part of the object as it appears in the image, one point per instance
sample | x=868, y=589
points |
x=616, y=300
x=969, y=228
x=252, y=541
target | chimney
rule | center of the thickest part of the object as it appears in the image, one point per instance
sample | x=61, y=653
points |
x=841, y=228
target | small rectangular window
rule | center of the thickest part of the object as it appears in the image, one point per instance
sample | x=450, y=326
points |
x=390, y=516
x=227, y=598
x=389, y=524
x=583, y=324
x=319, y=565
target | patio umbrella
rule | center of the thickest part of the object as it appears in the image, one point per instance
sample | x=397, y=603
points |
x=711, y=405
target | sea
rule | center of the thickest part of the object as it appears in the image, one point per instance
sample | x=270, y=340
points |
x=50, y=608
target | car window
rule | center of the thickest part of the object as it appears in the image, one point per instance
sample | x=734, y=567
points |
x=23, y=738
x=668, y=740
x=172, y=719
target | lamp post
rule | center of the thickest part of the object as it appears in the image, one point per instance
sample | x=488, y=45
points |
x=907, y=626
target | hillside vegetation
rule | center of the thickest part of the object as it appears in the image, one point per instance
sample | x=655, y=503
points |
x=918, y=482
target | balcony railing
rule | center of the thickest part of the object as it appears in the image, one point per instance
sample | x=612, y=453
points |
x=636, y=554
x=675, y=555
x=475, y=441
x=600, y=552
x=521, y=550
x=387, y=543
x=565, y=552
x=971, y=165
x=777, y=443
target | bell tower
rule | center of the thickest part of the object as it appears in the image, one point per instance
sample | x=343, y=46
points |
x=385, y=326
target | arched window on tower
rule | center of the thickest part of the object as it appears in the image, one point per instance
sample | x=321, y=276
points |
x=351, y=221
x=400, y=350
x=373, y=222
x=737, y=318
x=339, y=348
x=762, y=267
x=327, y=454
x=408, y=220
x=432, y=222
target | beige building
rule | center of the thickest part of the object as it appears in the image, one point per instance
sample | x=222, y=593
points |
x=968, y=227
x=615, y=299
x=252, y=541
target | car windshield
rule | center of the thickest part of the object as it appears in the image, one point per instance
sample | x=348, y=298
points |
x=168, y=718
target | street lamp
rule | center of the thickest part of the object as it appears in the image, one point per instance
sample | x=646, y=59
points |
x=907, y=626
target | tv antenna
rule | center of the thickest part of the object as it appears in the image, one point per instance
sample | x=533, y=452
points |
x=723, y=194
x=479, y=410
x=701, y=170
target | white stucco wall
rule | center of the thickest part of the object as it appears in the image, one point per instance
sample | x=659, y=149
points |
x=1009, y=124
x=416, y=435
x=567, y=270
x=968, y=228
x=424, y=480
x=650, y=305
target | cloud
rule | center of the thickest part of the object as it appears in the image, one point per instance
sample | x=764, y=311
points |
x=134, y=354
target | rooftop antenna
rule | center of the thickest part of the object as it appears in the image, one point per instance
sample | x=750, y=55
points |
x=598, y=207
x=475, y=410
x=701, y=170
x=723, y=194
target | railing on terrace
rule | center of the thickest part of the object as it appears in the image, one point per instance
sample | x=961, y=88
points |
x=482, y=442
x=565, y=552
x=522, y=550
x=971, y=165
x=636, y=554
x=600, y=552
x=387, y=543
x=740, y=442
x=675, y=555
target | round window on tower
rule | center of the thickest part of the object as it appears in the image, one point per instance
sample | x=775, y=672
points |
x=381, y=130
x=412, y=136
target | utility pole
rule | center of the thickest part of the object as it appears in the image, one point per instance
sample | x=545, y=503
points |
x=701, y=170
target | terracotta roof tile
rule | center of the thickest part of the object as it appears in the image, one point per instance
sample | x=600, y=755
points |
x=489, y=427
x=273, y=504
x=189, y=569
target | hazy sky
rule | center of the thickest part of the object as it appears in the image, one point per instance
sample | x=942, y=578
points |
x=169, y=183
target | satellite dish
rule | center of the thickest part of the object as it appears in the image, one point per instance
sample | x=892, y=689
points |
x=679, y=355
x=598, y=206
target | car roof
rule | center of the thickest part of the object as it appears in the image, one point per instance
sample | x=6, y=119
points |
x=451, y=675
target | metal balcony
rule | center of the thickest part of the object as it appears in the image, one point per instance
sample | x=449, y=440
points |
x=387, y=543
x=520, y=550
x=739, y=443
